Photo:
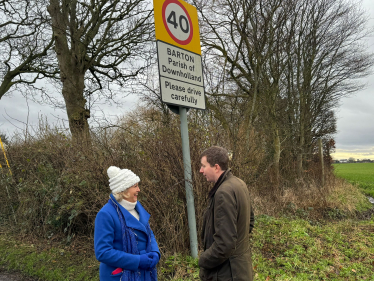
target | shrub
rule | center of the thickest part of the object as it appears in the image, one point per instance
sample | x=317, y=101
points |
x=58, y=187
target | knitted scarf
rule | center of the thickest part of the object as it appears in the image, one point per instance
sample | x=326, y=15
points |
x=130, y=246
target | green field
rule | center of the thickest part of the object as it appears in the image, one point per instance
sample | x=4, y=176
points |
x=361, y=174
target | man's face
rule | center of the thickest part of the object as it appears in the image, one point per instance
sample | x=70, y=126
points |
x=208, y=171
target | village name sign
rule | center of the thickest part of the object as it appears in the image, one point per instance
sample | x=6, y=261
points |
x=179, y=54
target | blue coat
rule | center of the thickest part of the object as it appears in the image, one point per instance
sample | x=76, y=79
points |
x=108, y=241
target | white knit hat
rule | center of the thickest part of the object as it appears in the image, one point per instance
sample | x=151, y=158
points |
x=120, y=180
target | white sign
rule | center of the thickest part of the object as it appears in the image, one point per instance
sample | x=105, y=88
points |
x=181, y=76
x=180, y=93
x=179, y=64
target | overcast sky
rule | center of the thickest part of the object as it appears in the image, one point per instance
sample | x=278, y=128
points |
x=355, y=137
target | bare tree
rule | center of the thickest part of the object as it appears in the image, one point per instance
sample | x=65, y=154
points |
x=292, y=59
x=250, y=39
x=325, y=60
x=93, y=41
x=99, y=46
x=25, y=45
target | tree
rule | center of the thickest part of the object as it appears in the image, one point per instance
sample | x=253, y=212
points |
x=93, y=40
x=292, y=59
x=250, y=38
x=324, y=62
x=25, y=45
x=99, y=46
x=4, y=138
x=351, y=160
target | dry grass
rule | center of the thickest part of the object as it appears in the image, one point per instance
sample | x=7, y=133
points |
x=313, y=201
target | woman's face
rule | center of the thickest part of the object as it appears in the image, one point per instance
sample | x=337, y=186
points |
x=132, y=193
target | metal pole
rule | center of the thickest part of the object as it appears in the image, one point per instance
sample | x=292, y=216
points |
x=188, y=181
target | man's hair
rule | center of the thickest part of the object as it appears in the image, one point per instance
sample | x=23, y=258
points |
x=216, y=155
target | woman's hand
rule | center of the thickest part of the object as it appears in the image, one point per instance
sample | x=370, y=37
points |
x=145, y=261
x=155, y=258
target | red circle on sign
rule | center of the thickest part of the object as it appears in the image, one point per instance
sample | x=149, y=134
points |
x=166, y=3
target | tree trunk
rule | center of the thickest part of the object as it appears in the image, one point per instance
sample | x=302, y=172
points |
x=72, y=70
x=251, y=113
x=6, y=84
x=321, y=161
x=78, y=115
x=276, y=156
x=299, y=165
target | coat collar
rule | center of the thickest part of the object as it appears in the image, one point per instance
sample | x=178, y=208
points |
x=131, y=221
x=218, y=183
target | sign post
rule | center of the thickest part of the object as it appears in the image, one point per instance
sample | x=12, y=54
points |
x=188, y=181
x=181, y=79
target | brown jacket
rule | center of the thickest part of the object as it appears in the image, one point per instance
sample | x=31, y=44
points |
x=227, y=223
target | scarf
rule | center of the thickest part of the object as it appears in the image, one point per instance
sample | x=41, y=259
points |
x=217, y=184
x=130, y=246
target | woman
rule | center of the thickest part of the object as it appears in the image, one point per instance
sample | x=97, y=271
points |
x=124, y=242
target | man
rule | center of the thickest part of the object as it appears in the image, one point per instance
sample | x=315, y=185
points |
x=227, y=222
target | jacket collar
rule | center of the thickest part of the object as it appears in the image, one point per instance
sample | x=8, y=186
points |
x=131, y=221
x=218, y=183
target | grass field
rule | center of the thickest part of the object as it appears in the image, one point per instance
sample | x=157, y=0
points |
x=361, y=174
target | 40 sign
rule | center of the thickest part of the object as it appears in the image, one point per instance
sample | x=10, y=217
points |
x=176, y=23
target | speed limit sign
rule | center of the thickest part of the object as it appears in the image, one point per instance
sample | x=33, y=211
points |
x=176, y=23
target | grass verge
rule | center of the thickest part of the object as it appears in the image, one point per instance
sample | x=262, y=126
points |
x=282, y=249
x=46, y=263
x=285, y=249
